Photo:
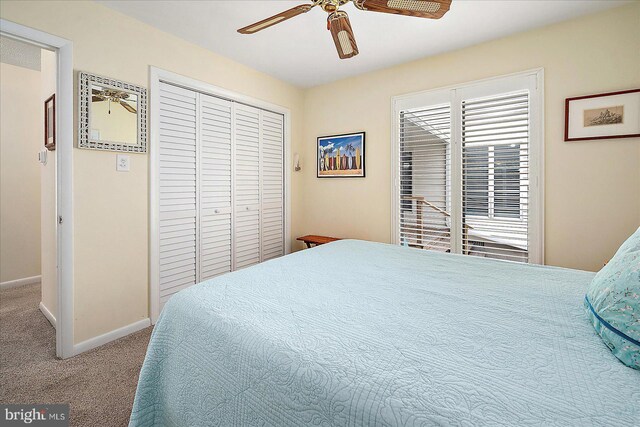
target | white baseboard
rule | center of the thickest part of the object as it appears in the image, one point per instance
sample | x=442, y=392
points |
x=110, y=336
x=20, y=282
x=50, y=317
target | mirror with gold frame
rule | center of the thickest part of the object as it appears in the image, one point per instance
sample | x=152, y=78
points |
x=113, y=114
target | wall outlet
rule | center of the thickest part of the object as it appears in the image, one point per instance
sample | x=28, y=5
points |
x=122, y=163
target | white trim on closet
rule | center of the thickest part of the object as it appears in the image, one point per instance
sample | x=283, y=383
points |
x=242, y=102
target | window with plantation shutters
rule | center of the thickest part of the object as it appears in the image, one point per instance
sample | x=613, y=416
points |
x=425, y=177
x=467, y=165
x=495, y=190
x=219, y=194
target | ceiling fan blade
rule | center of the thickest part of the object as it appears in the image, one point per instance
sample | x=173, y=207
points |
x=433, y=9
x=95, y=98
x=343, y=34
x=127, y=107
x=276, y=19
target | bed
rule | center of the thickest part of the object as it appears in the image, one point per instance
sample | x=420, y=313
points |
x=356, y=333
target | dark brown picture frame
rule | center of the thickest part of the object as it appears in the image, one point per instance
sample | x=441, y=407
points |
x=50, y=131
x=567, y=102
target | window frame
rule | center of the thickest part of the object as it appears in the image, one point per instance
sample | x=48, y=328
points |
x=531, y=80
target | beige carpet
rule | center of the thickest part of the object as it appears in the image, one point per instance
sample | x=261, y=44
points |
x=99, y=385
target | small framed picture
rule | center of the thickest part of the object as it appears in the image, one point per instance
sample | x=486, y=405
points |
x=341, y=156
x=50, y=123
x=602, y=116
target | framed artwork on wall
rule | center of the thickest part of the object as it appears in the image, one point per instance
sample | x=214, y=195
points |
x=341, y=156
x=50, y=123
x=602, y=116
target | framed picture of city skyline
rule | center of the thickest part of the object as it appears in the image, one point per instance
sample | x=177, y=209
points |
x=341, y=156
x=603, y=116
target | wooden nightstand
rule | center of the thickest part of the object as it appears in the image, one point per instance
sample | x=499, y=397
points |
x=312, y=239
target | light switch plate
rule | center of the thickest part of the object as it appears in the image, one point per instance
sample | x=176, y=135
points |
x=42, y=156
x=122, y=163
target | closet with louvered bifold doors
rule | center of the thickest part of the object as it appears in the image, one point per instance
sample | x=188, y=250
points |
x=220, y=195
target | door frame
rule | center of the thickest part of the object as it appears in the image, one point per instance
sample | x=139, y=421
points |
x=64, y=173
x=156, y=76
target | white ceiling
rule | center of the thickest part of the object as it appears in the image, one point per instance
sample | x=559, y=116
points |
x=301, y=50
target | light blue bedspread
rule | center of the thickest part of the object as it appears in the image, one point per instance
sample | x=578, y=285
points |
x=355, y=334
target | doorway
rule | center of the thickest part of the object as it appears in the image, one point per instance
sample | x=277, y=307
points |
x=28, y=241
x=47, y=215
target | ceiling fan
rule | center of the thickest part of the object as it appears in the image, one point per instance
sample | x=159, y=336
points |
x=338, y=20
x=111, y=95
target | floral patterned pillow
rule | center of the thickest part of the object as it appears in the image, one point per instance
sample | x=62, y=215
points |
x=613, y=302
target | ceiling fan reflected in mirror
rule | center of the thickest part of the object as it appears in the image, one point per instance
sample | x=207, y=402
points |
x=111, y=95
x=338, y=20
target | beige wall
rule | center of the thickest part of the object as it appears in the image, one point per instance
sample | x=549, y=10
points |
x=111, y=230
x=21, y=137
x=48, y=220
x=592, y=188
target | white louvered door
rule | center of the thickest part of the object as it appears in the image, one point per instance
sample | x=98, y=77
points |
x=215, y=186
x=272, y=191
x=247, y=186
x=220, y=189
x=178, y=219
